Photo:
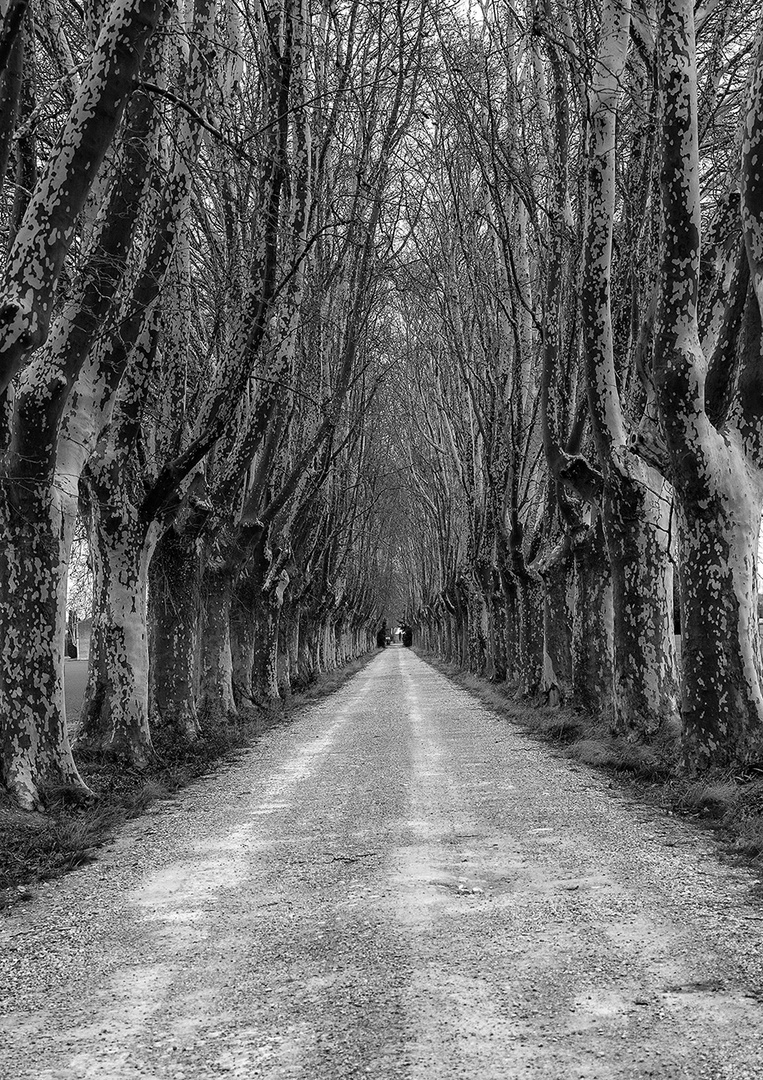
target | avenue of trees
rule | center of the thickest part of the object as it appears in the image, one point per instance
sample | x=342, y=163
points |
x=192, y=324
x=320, y=312
x=583, y=317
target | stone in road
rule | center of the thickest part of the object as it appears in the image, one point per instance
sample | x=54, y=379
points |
x=396, y=885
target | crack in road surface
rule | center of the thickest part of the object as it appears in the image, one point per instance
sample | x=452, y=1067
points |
x=397, y=885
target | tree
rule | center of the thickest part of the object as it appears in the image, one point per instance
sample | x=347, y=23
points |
x=36, y=518
x=713, y=446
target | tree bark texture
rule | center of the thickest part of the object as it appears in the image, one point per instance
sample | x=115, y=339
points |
x=174, y=617
x=46, y=231
x=716, y=467
x=115, y=713
x=35, y=533
x=217, y=701
x=592, y=624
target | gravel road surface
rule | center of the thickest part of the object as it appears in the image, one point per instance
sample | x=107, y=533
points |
x=396, y=885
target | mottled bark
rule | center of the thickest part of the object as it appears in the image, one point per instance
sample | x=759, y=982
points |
x=10, y=98
x=636, y=520
x=498, y=635
x=306, y=665
x=722, y=704
x=530, y=633
x=288, y=650
x=174, y=615
x=216, y=699
x=474, y=609
x=511, y=632
x=592, y=642
x=557, y=625
x=715, y=468
x=35, y=536
x=115, y=715
x=267, y=614
x=243, y=635
x=634, y=514
x=45, y=234
x=326, y=661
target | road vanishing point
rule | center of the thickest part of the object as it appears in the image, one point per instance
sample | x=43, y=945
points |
x=397, y=884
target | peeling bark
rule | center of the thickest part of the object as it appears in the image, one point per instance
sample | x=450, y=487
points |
x=717, y=472
x=557, y=624
x=174, y=618
x=115, y=714
x=216, y=691
x=633, y=515
x=593, y=624
x=636, y=521
x=45, y=234
x=243, y=635
x=35, y=535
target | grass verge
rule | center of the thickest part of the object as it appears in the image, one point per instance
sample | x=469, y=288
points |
x=37, y=846
x=730, y=802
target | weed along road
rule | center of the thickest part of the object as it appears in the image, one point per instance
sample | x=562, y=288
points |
x=398, y=884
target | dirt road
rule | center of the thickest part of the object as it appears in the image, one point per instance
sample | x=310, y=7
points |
x=397, y=885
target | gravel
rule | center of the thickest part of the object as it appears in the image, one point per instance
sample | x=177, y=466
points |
x=397, y=885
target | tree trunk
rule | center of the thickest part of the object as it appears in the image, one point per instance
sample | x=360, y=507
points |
x=511, y=630
x=216, y=691
x=716, y=463
x=45, y=234
x=306, y=662
x=115, y=711
x=475, y=607
x=35, y=540
x=635, y=518
x=593, y=624
x=267, y=614
x=530, y=627
x=557, y=619
x=174, y=615
x=636, y=524
x=288, y=650
x=243, y=638
x=498, y=633
x=327, y=654
x=718, y=530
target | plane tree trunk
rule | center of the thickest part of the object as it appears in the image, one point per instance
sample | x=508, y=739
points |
x=634, y=509
x=715, y=463
x=36, y=527
x=47, y=229
x=115, y=715
x=556, y=571
x=217, y=699
x=592, y=642
x=33, y=460
x=174, y=617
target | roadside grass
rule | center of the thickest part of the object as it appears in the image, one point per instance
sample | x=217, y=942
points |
x=41, y=845
x=729, y=802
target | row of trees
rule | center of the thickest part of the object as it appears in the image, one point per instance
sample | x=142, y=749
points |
x=193, y=320
x=321, y=311
x=585, y=304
